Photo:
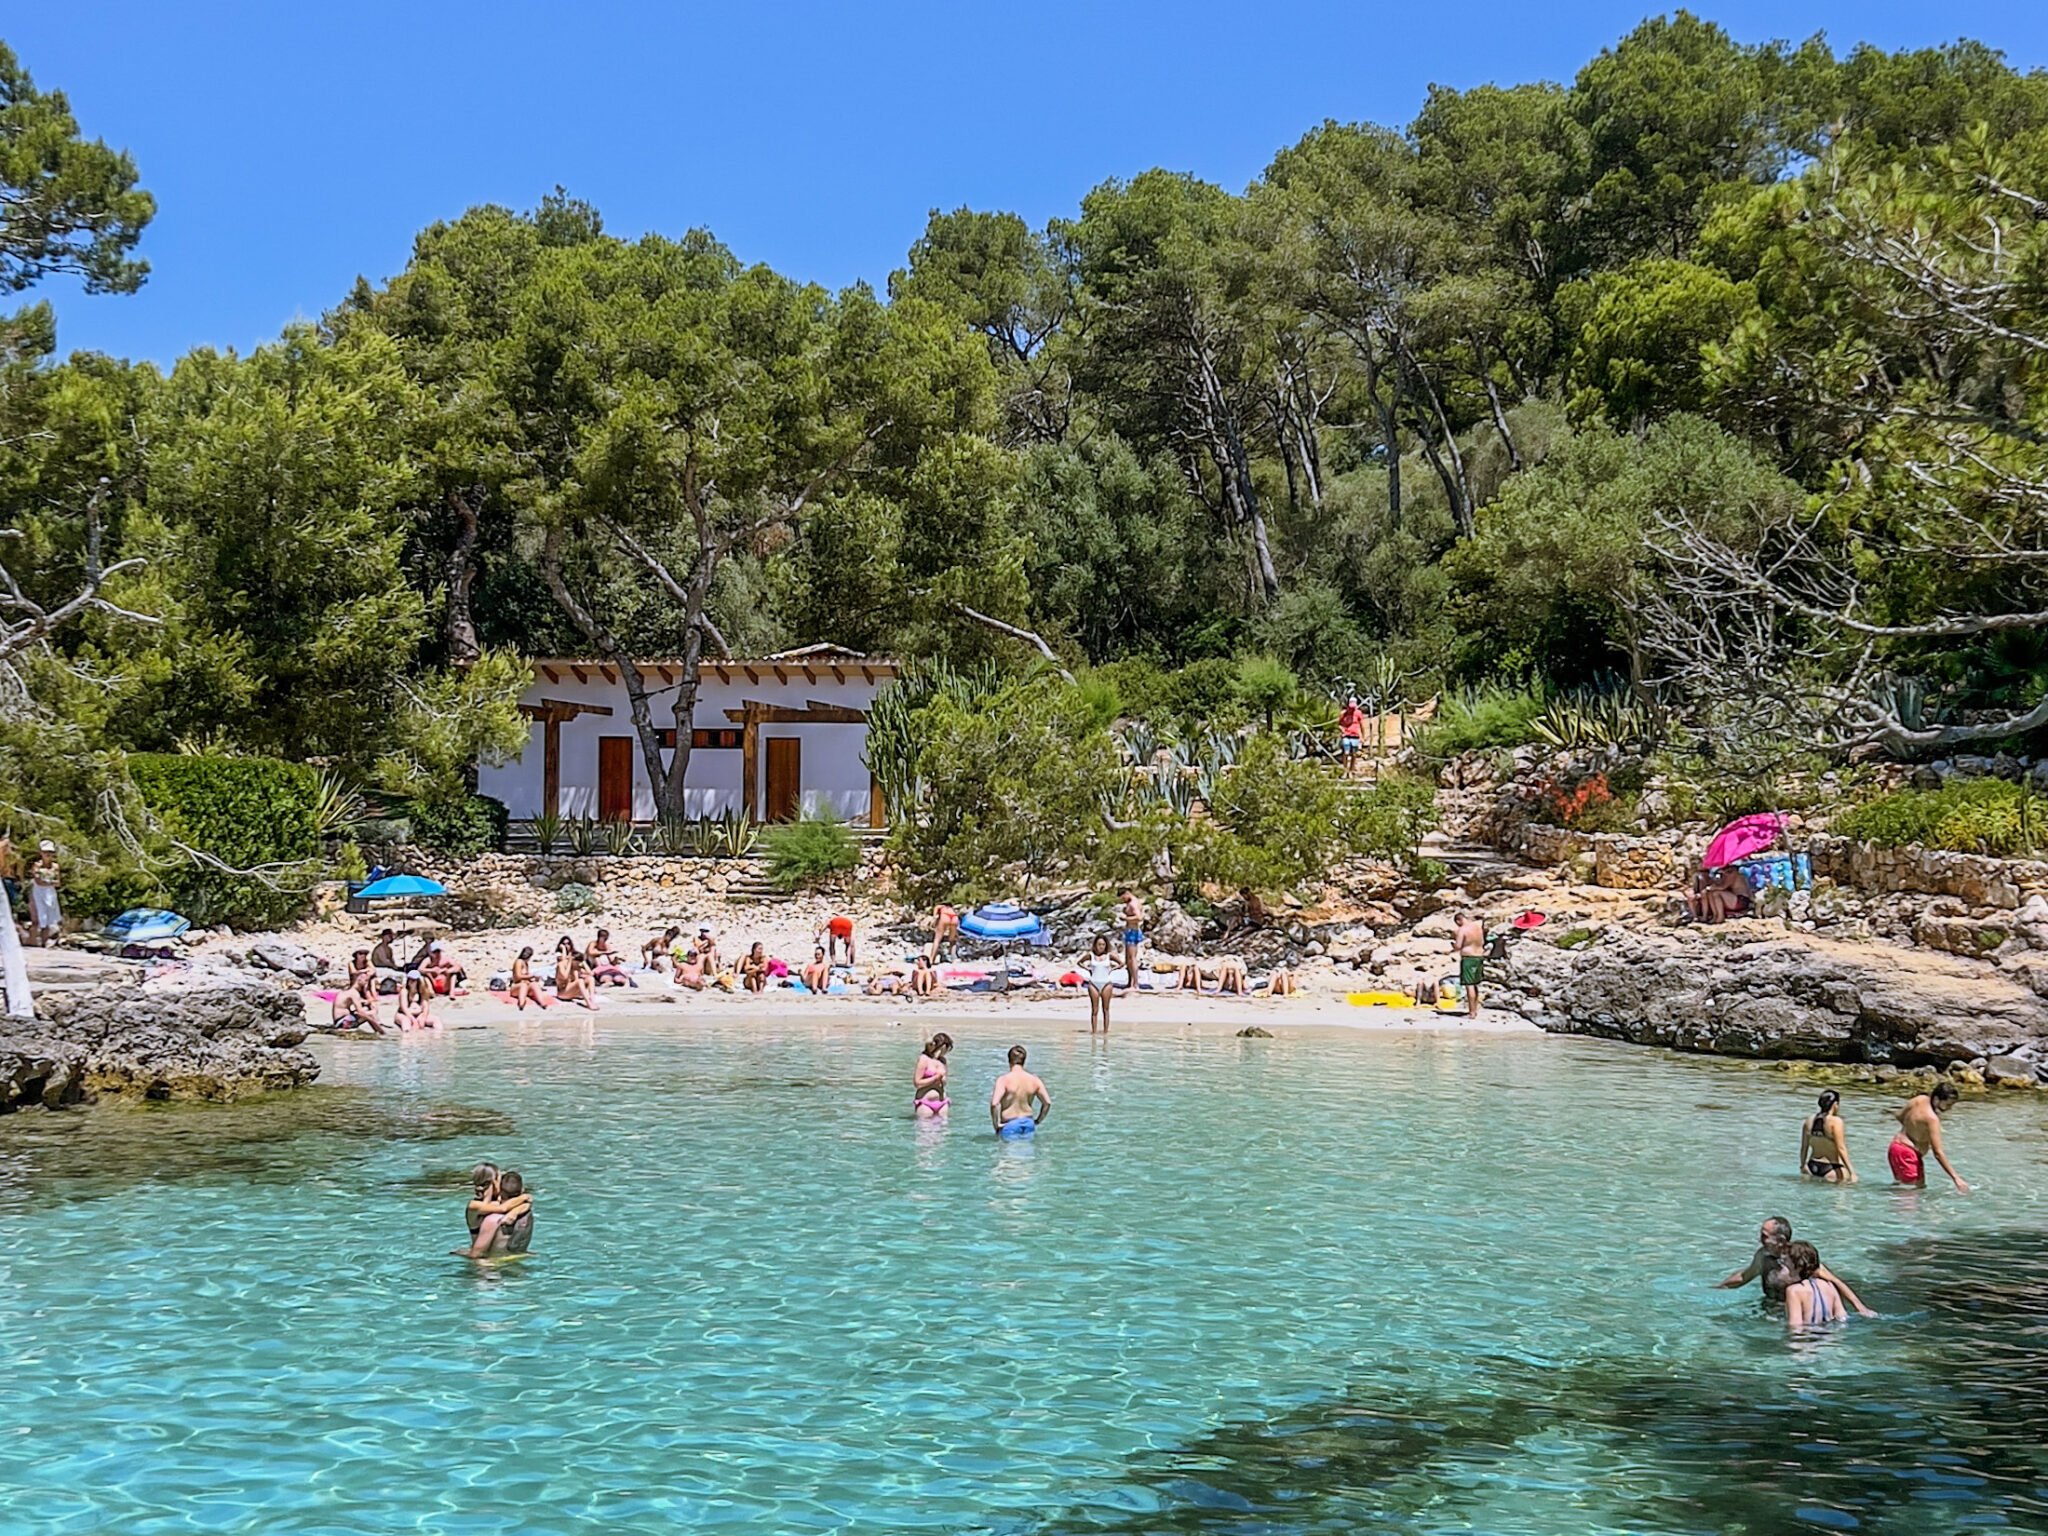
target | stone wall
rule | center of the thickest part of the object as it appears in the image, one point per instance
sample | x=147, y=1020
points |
x=1971, y=878
x=518, y=887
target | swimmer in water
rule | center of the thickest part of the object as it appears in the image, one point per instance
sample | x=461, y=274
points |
x=1772, y=1264
x=1810, y=1299
x=1823, y=1148
x=500, y=1200
x=1019, y=1103
x=928, y=1079
x=1919, y=1138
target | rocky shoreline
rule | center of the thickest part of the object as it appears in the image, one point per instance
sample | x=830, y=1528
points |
x=209, y=1036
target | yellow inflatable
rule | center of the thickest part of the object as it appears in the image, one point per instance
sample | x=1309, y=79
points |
x=1379, y=999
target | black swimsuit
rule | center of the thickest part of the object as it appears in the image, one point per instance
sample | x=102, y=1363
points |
x=1821, y=1170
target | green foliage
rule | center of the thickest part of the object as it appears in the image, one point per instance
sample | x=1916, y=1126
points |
x=1266, y=686
x=575, y=900
x=1013, y=788
x=807, y=850
x=547, y=828
x=1475, y=719
x=337, y=806
x=252, y=828
x=66, y=205
x=451, y=721
x=462, y=825
x=1988, y=816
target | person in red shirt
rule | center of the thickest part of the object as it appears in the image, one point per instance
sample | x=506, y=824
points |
x=1351, y=728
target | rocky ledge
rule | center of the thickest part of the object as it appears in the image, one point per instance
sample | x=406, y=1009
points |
x=1783, y=996
x=212, y=1036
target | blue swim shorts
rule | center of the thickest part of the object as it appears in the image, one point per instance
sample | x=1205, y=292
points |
x=1023, y=1125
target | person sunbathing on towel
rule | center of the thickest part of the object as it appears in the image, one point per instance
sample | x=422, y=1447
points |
x=924, y=981
x=754, y=968
x=818, y=974
x=690, y=971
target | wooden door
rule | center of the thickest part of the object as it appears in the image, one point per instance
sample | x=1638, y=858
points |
x=614, y=778
x=785, y=778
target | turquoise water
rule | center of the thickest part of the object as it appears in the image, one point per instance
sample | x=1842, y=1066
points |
x=1321, y=1283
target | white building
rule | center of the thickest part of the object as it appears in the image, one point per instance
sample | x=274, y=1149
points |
x=779, y=736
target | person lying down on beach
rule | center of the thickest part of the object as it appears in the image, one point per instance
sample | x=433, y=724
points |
x=1229, y=973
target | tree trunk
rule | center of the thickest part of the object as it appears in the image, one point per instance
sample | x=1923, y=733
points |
x=463, y=649
x=669, y=796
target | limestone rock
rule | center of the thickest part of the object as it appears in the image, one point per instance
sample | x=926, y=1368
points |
x=1790, y=995
x=2011, y=1069
x=205, y=1035
x=1173, y=930
x=276, y=954
x=1253, y=1032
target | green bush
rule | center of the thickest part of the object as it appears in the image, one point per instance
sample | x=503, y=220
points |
x=471, y=824
x=1475, y=719
x=250, y=813
x=1267, y=686
x=1142, y=686
x=1204, y=693
x=808, y=849
x=1963, y=816
x=576, y=898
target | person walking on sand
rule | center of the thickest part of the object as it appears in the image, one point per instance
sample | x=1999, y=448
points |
x=928, y=1099
x=1823, y=1145
x=1133, y=911
x=1099, y=977
x=1772, y=1264
x=1019, y=1104
x=1920, y=1137
x=1469, y=945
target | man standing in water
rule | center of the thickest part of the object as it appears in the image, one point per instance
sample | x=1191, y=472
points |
x=1469, y=945
x=1920, y=1135
x=1019, y=1104
x=1773, y=1265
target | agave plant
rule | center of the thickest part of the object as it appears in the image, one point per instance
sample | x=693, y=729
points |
x=673, y=835
x=730, y=835
x=1176, y=792
x=336, y=807
x=619, y=838
x=1139, y=742
x=546, y=827
x=583, y=836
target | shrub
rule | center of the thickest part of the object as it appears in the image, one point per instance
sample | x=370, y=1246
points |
x=464, y=825
x=1592, y=804
x=1988, y=816
x=1204, y=693
x=1298, y=820
x=1266, y=686
x=250, y=813
x=1474, y=719
x=802, y=851
x=574, y=898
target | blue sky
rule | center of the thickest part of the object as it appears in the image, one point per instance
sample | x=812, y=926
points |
x=292, y=147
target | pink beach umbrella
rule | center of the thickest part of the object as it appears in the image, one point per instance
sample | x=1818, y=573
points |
x=1743, y=838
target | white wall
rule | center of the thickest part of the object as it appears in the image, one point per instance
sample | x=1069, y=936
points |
x=830, y=772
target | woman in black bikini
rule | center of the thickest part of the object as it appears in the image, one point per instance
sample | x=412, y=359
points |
x=1823, y=1148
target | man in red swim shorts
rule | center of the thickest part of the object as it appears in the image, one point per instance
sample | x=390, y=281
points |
x=837, y=932
x=1920, y=1137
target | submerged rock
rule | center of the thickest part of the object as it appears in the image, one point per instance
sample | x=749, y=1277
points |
x=1789, y=995
x=214, y=1036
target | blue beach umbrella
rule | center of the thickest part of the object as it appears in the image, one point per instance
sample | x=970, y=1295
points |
x=1003, y=921
x=402, y=885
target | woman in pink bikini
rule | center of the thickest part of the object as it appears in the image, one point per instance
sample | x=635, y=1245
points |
x=928, y=1081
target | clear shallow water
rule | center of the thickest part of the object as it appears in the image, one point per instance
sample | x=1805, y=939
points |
x=1320, y=1283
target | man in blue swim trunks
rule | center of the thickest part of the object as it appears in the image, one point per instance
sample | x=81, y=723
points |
x=1019, y=1104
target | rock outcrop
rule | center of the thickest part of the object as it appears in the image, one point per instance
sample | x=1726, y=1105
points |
x=1781, y=996
x=204, y=1037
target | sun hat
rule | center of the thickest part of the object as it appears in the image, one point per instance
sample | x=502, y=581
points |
x=46, y=846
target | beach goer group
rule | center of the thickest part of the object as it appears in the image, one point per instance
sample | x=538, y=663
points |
x=45, y=878
x=1792, y=1273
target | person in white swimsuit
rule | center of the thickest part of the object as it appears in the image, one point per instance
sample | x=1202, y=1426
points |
x=1100, y=975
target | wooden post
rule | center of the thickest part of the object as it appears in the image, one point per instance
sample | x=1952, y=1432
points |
x=551, y=765
x=878, y=807
x=750, y=746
